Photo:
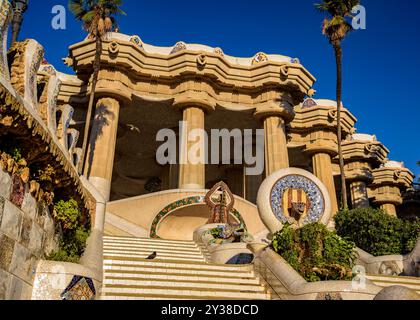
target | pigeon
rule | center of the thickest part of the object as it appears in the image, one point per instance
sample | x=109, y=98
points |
x=152, y=256
x=133, y=128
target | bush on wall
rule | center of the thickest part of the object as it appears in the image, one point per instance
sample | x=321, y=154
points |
x=74, y=232
x=315, y=252
x=376, y=232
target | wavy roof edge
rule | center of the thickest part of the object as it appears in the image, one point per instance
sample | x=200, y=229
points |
x=179, y=46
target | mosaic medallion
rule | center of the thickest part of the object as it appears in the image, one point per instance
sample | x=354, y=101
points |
x=293, y=196
x=80, y=288
x=298, y=199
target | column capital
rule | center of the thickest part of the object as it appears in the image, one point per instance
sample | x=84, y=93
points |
x=322, y=146
x=387, y=195
x=359, y=175
x=282, y=109
x=185, y=102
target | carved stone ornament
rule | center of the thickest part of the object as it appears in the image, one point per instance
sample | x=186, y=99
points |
x=220, y=200
x=114, y=47
x=201, y=60
x=284, y=70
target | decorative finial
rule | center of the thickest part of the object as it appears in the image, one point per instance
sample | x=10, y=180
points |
x=19, y=8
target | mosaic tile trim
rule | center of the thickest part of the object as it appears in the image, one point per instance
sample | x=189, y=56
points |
x=309, y=103
x=219, y=52
x=259, y=57
x=185, y=203
x=312, y=191
x=137, y=41
x=5, y=14
x=80, y=288
x=179, y=47
x=329, y=296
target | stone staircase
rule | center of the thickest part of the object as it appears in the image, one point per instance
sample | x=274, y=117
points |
x=180, y=271
x=389, y=281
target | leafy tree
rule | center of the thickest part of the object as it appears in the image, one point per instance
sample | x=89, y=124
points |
x=97, y=17
x=335, y=27
x=377, y=232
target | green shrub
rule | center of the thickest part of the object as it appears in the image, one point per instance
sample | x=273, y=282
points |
x=376, y=232
x=75, y=233
x=67, y=214
x=316, y=253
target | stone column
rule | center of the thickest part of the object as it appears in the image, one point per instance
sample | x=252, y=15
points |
x=322, y=167
x=101, y=150
x=276, y=153
x=192, y=175
x=390, y=209
x=388, y=197
x=359, y=194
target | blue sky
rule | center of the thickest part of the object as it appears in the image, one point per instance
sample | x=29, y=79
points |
x=381, y=64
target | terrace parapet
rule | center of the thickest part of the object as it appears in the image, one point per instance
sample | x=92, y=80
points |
x=130, y=66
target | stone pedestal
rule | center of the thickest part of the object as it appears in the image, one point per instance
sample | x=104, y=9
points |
x=101, y=150
x=276, y=154
x=192, y=173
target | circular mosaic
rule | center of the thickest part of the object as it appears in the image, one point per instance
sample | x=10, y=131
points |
x=307, y=195
x=293, y=196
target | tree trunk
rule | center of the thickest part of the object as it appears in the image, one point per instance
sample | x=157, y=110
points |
x=339, y=56
x=96, y=68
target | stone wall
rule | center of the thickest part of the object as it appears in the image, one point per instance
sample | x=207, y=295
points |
x=27, y=234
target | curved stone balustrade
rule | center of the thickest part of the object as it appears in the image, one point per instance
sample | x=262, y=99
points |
x=27, y=75
x=5, y=16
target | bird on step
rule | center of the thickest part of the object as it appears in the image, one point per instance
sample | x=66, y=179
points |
x=152, y=256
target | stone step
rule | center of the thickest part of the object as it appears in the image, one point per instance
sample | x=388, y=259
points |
x=184, y=284
x=124, y=268
x=178, y=277
x=161, y=253
x=151, y=244
x=138, y=291
x=192, y=265
x=151, y=248
x=394, y=278
x=131, y=257
x=159, y=297
x=149, y=240
x=389, y=281
x=179, y=272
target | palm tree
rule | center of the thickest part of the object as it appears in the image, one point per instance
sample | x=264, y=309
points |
x=97, y=17
x=336, y=27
